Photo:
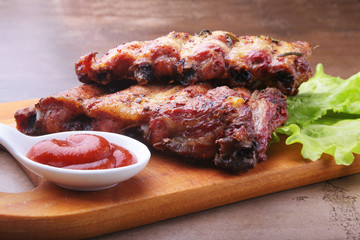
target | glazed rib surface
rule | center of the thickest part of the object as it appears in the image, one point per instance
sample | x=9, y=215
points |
x=229, y=127
x=219, y=57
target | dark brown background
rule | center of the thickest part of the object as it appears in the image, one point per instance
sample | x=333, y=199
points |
x=41, y=40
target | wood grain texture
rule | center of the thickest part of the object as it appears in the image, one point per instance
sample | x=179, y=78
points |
x=167, y=188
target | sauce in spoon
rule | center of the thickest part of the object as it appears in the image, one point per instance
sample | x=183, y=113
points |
x=19, y=145
x=81, y=151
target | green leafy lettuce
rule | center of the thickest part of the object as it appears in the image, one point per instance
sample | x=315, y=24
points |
x=325, y=117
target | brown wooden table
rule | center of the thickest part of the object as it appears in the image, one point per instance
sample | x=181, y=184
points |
x=41, y=40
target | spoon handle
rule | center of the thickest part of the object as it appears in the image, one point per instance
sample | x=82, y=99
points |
x=11, y=138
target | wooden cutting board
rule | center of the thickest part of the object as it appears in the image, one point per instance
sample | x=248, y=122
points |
x=166, y=188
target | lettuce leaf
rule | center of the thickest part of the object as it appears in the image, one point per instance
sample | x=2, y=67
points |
x=325, y=117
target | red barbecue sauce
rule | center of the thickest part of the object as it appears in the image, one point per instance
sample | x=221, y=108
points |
x=81, y=151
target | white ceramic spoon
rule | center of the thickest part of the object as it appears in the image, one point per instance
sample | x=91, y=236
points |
x=19, y=144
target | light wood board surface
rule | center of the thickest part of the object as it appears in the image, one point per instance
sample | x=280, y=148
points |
x=166, y=188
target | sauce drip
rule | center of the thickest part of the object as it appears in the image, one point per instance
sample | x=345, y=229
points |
x=81, y=151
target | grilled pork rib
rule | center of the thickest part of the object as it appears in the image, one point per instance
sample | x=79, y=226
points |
x=253, y=62
x=230, y=127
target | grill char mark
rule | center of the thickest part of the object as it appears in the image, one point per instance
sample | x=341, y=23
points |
x=255, y=62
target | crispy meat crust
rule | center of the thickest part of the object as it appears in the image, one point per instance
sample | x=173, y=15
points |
x=230, y=127
x=57, y=113
x=253, y=62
